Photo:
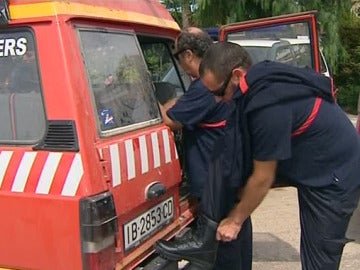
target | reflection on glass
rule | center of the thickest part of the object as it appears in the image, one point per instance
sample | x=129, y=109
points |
x=119, y=80
x=286, y=43
x=22, y=115
x=164, y=73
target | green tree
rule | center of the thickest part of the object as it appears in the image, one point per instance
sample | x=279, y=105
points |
x=213, y=12
x=181, y=10
x=348, y=76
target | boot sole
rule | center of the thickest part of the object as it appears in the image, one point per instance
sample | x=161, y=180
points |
x=173, y=257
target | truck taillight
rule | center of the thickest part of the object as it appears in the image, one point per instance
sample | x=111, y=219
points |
x=98, y=228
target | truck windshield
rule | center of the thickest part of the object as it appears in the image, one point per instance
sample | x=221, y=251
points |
x=22, y=114
x=121, y=85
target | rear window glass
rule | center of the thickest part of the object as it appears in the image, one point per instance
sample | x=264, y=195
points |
x=22, y=114
x=285, y=43
x=121, y=85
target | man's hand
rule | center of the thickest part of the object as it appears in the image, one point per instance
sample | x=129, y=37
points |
x=170, y=103
x=167, y=120
x=250, y=197
x=228, y=229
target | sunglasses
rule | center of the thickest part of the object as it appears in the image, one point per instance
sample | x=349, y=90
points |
x=220, y=92
x=176, y=55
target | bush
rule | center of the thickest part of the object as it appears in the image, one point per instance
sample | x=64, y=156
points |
x=348, y=98
x=348, y=77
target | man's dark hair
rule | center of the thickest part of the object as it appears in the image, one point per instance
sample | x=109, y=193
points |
x=194, y=39
x=221, y=58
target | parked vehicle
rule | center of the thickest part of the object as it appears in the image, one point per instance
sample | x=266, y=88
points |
x=89, y=174
x=292, y=51
x=282, y=42
x=269, y=49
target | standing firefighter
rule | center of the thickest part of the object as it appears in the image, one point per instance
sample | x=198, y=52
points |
x=291, y=127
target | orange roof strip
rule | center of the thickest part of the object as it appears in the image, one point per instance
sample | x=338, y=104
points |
x=26, y=11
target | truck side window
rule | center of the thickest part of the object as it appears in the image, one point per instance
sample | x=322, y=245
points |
x=22, y=114
x=169, y=80
x=118, y=77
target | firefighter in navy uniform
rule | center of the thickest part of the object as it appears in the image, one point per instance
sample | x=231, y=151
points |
x=204, y=122
x=290, y=127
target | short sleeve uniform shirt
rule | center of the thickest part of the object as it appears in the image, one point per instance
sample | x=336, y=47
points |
x=327, y=151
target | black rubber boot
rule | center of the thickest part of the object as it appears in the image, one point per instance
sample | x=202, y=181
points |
x=198, y=245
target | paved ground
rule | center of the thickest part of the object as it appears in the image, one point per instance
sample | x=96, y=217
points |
x=352, y=118
x=276, y=234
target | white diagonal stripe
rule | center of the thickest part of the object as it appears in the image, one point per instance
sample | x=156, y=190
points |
x=23, y=171
x=143, y=154
x=115, y=164
x=100, y=151
x=73, y=178
x=176, y=153
x=47, y=173
x=166, y=141
x=5, y=157
x=130, y=159
x=155, y=147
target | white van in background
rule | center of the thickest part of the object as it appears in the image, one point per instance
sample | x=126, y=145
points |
x=292, y=51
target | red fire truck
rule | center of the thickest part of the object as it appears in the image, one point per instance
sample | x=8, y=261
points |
x=89, y=174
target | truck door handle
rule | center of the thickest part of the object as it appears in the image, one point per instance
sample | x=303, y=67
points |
x=154, y=190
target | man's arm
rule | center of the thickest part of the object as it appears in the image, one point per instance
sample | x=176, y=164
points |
x=252, y=195
x=167, y=120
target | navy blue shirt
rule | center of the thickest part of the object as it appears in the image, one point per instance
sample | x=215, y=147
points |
x=329, y=150
x=195, y=108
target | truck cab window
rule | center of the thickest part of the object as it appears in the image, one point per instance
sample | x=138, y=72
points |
x=169, y=80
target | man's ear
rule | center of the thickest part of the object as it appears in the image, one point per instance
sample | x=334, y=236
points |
x=237, y=73
x=189, y=55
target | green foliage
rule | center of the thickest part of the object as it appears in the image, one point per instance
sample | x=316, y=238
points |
x=157, y=60
x=348, y=76
x=176, y=8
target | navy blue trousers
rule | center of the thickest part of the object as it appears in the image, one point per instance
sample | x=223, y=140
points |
x=324, y=217
x=216, y=202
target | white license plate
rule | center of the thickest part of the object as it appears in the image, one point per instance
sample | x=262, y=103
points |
x=138, y=229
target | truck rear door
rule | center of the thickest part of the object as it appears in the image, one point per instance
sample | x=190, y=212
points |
x=257, y=37
x=137, y=151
